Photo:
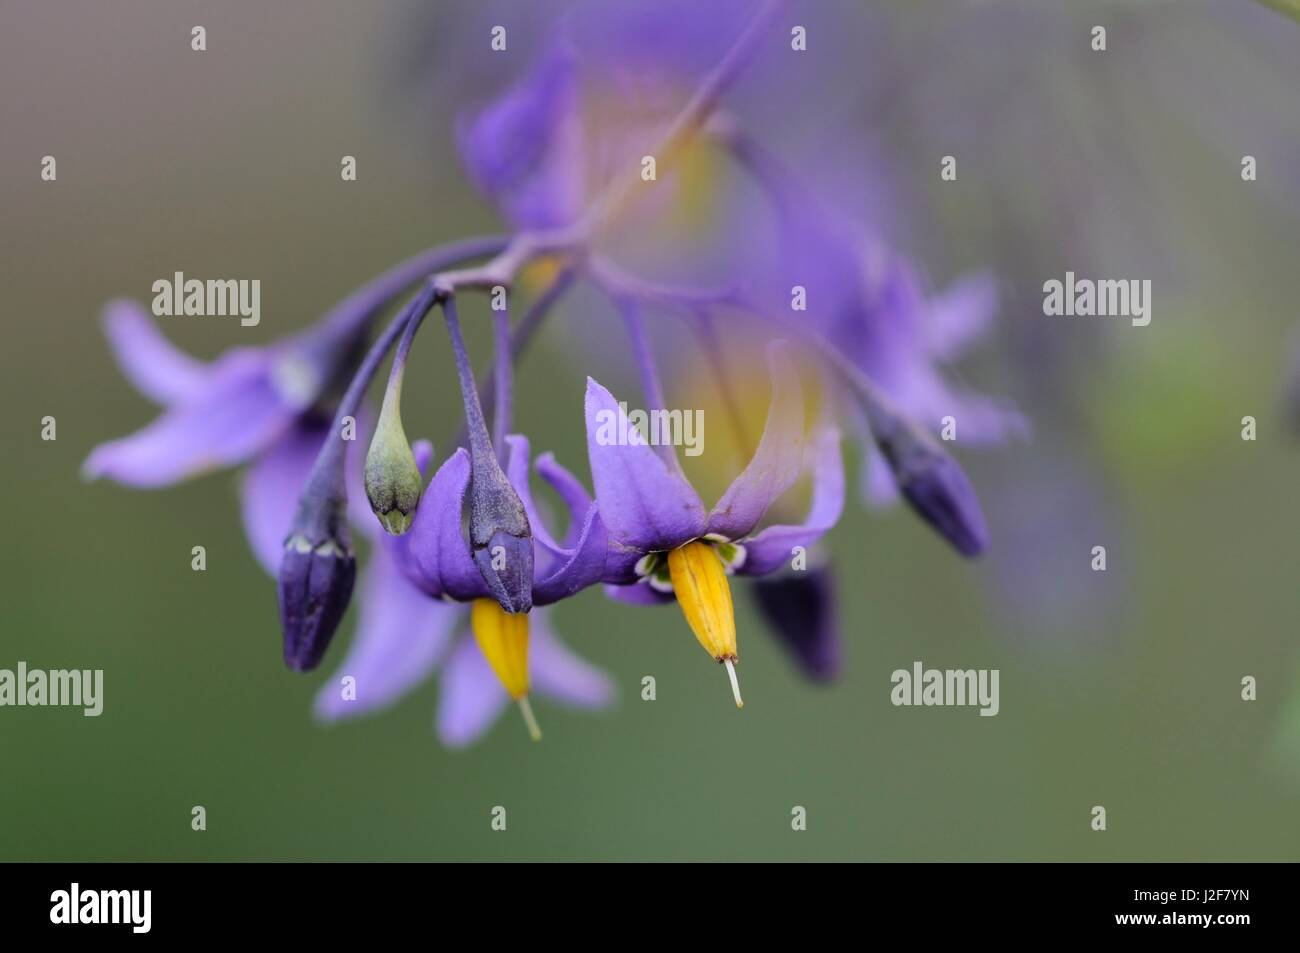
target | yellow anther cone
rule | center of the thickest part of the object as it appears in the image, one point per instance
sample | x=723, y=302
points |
x=700, y=583
x=503, y=638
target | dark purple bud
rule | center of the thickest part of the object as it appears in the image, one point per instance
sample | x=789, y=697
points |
x=316, y=580
x=800, y=610
x=318, y=567
x=935, y=486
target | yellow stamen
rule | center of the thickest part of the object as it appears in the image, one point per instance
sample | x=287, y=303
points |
x=503, y=638
x=700, y=582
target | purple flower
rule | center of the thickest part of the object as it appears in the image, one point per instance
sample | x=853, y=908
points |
x=221, y=414
x=520, y=151
x=604, y=85
x=433, y=566
x=409, y=626
x=227, y=412
x=404, y=637
x=437, y=557
x=663, y=544
x=558, y=155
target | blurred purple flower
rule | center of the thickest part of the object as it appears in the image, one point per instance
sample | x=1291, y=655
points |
x=221, y=414
x=800, y=609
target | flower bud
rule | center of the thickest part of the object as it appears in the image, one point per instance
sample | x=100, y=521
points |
x=316, y=577
x=393, y=482
x=935, y=486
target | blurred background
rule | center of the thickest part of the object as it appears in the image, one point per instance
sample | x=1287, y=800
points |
x=1119, y=688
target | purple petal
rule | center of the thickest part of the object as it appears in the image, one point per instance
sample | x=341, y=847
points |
x=401, y=635
x=584, y=566
x=773, y=546
x=237, y=414
x=777, y=461
x=560, y=674
x=523, y=150
x=156, y=367
x=517, y=461
x=472, y=697
x=643, y=503
x=961, y=315
x=570, y=489
x=270, y=487
x=639, y=594
x=942, y=495
x=438, y=553
x=879, y=488
x=800, y=609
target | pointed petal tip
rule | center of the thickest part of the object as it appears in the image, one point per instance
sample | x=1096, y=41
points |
x=943, y=496
x=506, y=565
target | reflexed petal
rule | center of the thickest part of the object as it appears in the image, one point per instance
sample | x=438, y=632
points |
x=773, y=546
x=562, y=675
x=237, y=414
x=571, y=491
x=639, y=594
x=156, y=367
x=472, y=697
x=522, y=151
x=583, y=567
x=401, y=635
x=777, y=461
x=517, y=462
x=961, y=315
x=643, y=504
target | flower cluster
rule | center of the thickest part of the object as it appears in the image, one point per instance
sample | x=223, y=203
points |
x=462, y=563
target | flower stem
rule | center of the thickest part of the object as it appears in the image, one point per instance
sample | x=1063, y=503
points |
x=326, y=484
x=523, y=335
x=480, y=443
x=502, y=380
x=355, y=311
x=651, y=385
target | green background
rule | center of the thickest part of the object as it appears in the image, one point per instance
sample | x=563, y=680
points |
x=226, y=163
